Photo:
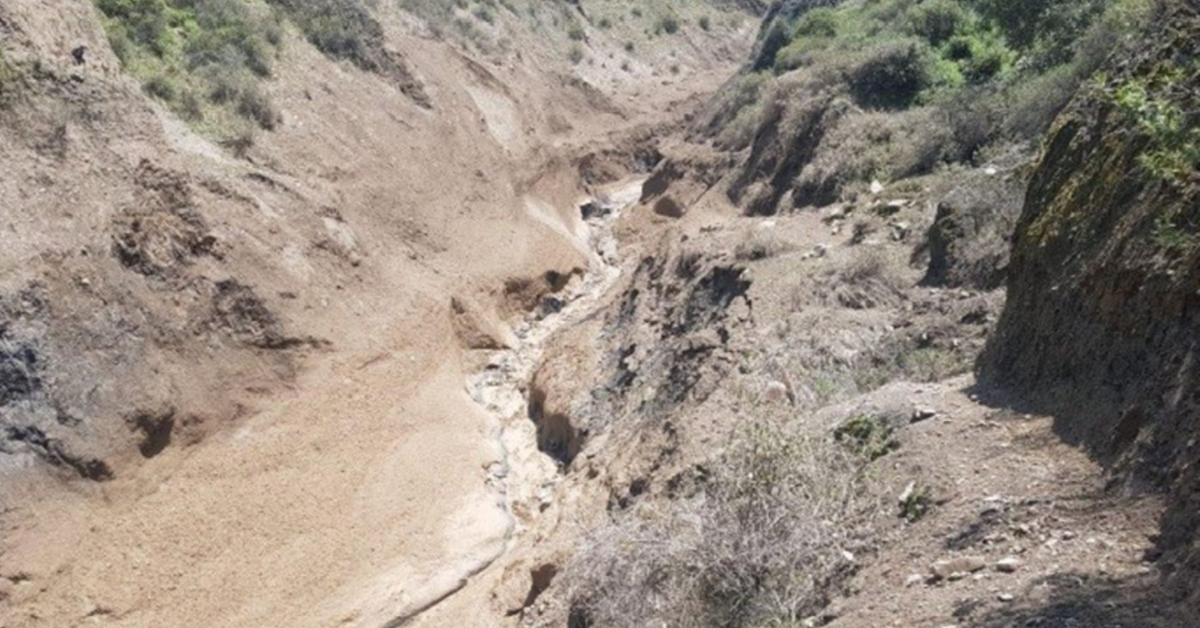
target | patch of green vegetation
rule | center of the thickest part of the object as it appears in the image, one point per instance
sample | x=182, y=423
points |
x=1031, y=54
x=904, y=52
x=667, y=23
x=575, y=54
x=8, y=77
x=1156, y=105
x=575, y=33
x=916, y=504
x=204, y=59
x=1170, y=234
x=868, y=436
x=931, y=364
x=705, y=23
x=342, y=29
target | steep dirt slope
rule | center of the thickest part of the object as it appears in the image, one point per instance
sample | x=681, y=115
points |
x=232, y=388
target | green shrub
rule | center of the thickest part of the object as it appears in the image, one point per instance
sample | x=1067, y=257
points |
x=981, y=55
x=576, y=33
x=819, y=22
x=931, y=364
x=1046, y=29
x=162, y=86
x=342, y=29
x=893, y=74
x=575, y=54
x=776, y=39
x=668, y=24
x=254, y=104
x=1169, y=233
x=916, y=504
x=937, y=20
x=813, y=32
x=869, y=436
x=149, y=24
x=1162, y=110
x=1030, y=105
x=705, y=23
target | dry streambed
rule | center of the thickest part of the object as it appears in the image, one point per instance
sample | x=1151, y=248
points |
x=523, y=477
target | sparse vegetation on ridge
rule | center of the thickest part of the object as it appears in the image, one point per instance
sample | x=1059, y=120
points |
x=208, y=60
x=205, y=59
x=906, y=85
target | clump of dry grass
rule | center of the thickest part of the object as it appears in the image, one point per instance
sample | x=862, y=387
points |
x=760, y=244
x=766, y=536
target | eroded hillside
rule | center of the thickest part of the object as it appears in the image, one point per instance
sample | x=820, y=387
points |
x=245, y=243
x=598, y=313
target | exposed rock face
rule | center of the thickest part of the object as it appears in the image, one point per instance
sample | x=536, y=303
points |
x=1103, y=317
x=969, y=239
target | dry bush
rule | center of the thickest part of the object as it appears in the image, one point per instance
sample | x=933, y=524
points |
x=759, y=244
x=764, y=538
x=872, y=270
x=872, y=266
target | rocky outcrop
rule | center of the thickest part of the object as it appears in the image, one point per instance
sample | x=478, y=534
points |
x=1102, y=325
x=968, y=243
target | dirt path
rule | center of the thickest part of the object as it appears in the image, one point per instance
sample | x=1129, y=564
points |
x=1021, y=523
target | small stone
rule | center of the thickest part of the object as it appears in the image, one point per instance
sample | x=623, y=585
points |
x=913, y=579
x=820, y=250
x=922, y=414
x=1005, y=597
x=907, y=493
x=1008, y=564
x=960, y=566
x=876, y=187
x=776, y=392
